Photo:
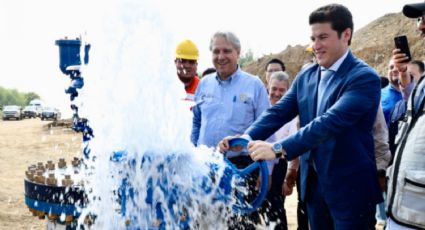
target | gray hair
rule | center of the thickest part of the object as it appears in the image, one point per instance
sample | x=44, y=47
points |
x=280, y=76
x=228, y=36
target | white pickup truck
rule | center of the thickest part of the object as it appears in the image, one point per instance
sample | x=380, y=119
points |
x=12, y=111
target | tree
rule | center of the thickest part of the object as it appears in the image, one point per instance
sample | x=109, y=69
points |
x=246, y=58
x=30, y=96
x=14, y=97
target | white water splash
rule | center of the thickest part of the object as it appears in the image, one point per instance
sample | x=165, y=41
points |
x=133, y=100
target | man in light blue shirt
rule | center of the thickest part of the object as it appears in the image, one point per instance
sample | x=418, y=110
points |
x=228, y=101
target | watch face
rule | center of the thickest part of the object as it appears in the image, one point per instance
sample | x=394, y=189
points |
x=277, y=147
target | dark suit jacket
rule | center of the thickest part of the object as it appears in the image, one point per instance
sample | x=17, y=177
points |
x=339, y=141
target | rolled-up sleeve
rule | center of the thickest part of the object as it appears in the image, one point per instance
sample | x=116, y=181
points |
x=406, y=91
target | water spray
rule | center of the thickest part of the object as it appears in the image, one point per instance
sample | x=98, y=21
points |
x=151, y=190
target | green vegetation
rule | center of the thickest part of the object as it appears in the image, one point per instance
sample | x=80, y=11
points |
x=14, y=97
x=246, y=58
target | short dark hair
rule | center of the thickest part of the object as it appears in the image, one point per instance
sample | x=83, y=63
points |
x=338, y=15
x=420, y=64
x=276, y=61
x=208, y=71
x=384, y=81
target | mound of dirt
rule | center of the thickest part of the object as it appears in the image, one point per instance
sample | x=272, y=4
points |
x=65, y=123
x=372, y=43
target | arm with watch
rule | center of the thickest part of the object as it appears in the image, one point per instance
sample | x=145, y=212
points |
x=281, y=113
x=261, y=150
x=359, y=100
x=264, y=150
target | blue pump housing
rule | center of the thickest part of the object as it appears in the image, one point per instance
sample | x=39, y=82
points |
x=69, y=53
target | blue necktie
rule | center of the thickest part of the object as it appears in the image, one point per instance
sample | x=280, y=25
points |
x=325, y=76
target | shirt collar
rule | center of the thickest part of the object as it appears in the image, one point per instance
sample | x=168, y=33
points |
x=229, y=79
x=394, y=88
x=338, y=63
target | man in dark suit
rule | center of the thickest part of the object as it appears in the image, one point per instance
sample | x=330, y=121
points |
x=336, y=100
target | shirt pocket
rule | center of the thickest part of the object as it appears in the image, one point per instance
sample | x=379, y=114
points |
x=411, y=200
x=243, y=111
x=209, y=105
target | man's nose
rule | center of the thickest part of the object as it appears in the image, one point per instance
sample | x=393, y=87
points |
x=315, y=45
x=221, y=55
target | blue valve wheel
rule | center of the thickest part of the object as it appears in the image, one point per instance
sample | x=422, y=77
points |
x=241, y=206
x=238, y=142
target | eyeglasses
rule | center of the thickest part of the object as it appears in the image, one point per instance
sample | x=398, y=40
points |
x=184, y=61
x=420, y=19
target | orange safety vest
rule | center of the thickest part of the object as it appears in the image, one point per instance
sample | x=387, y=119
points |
x=191, y=88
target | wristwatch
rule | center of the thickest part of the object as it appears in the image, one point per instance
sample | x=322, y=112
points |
x=277, y=149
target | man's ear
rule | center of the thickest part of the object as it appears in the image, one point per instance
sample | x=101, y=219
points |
x=346, y=34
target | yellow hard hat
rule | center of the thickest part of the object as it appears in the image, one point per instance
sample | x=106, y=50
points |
x=309, y=49
x=187, y=50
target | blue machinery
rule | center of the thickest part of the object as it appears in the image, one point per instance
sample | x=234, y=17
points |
x=52, y=199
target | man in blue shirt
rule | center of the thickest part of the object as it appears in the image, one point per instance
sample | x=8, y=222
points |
x=391, y=94
x=227, y=102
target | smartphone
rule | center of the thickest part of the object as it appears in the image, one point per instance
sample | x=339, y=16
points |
x=402, y=44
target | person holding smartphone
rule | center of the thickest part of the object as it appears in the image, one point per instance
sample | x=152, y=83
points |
x=406, y=185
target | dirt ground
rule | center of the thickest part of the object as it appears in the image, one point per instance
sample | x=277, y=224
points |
x=23, y=143
x=29, y=141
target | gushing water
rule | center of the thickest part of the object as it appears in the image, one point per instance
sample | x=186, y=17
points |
x=133, y=100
